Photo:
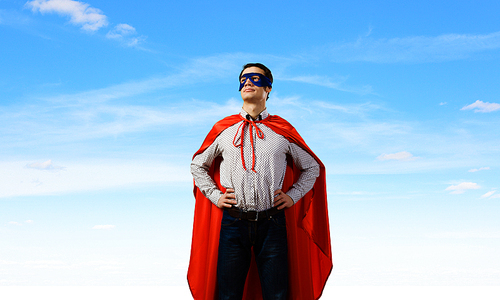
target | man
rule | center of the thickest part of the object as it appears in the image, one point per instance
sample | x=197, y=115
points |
x=256, y=215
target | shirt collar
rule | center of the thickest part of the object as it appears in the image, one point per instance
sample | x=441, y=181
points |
x=263, y=114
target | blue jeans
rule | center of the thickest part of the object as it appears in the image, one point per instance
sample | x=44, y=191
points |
x=268, y=239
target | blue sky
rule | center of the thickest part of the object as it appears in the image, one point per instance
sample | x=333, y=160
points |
x=103, y=103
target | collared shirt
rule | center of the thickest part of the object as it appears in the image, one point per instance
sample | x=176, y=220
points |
x=257, y=173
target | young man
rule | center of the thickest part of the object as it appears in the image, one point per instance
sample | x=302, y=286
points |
x=261, y=223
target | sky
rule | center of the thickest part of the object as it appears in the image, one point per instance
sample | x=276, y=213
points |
x=103, y=104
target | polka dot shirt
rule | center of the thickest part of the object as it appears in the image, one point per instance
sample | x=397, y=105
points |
x=257, y=172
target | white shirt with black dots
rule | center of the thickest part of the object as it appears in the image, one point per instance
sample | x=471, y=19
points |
x=254, y=190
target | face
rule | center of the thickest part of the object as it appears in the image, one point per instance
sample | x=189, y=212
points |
x=252, y=93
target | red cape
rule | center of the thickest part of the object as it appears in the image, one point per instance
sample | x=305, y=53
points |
x=308, y=233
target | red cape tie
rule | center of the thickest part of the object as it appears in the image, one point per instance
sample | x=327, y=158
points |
x=260, y=135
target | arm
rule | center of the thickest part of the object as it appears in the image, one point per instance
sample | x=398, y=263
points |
x=199, y=169
x=309, y=172
x=309, y=168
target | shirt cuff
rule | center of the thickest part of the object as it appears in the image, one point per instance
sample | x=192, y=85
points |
x=294, y=194
x=215, y=196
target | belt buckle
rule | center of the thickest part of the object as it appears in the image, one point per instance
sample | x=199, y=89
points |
x=256, y=217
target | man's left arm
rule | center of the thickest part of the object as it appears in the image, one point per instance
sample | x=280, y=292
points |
x=309, y=168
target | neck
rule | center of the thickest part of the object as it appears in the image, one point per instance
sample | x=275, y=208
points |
x=254, y=109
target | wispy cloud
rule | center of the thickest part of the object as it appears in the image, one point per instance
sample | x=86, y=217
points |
x=65, y=119
x=46, y=165
x=87, y=121
x=91, y=175
x=483, y=107
x=480, y=169
x=355, y=109
x=126, y=34
x=462, y=187
x=415, y=49
x=107, y=113
x=491, y=195
x=333, y=83
x=401, y=156
x=194, y=71
x=488, y=194
x=364, y=133
x=80, y=13
x=120, y=31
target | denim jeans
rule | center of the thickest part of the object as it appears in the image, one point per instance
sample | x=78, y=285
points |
x=268, y=239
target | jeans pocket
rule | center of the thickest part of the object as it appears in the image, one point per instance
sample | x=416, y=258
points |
x=228, y=220
x=279, y=220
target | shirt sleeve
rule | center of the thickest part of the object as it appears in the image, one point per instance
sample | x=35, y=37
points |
x=199, y=169
x=309, y=168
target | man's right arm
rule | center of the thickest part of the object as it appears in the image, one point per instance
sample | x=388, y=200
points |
x=199, y=168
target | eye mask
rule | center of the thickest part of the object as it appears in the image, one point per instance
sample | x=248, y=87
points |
x=256, y=78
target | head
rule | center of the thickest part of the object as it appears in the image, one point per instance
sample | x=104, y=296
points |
x=256, y=79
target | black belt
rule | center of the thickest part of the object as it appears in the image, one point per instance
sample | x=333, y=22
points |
x=252, y=215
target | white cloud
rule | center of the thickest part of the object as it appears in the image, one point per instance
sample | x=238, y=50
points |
x=126, y=34
x=480, y=169
x=462, y=187
x=46, y=165
x=88, y=18
x=401, y=156
x=29, y=221
x=80, y=13
x=120, y=31
x=480, y=106
x=105, y=227
x=488, y=194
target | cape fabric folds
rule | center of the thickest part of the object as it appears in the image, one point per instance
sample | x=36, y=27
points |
x=308, y=233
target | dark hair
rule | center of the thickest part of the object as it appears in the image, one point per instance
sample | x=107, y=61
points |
x=266, y=70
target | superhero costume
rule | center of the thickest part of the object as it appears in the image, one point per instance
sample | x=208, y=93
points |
x=309, y=250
